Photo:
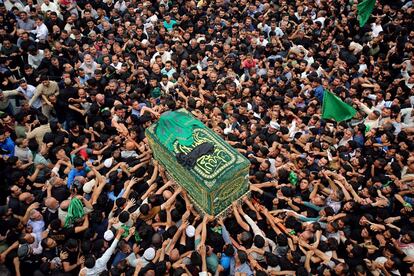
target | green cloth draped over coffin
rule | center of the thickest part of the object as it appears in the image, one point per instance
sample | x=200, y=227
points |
x=176, y=126
x=217, y=178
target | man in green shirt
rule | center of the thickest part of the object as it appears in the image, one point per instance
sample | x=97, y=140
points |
x=155, y=90
x=169, y=23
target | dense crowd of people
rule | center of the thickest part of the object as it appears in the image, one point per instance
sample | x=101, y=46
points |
x=81, y=81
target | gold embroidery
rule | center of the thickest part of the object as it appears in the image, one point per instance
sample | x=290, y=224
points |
x=212, y=165
x=215, y=181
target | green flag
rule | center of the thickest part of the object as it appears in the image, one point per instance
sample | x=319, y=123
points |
x=365, y=8
x=334, y=108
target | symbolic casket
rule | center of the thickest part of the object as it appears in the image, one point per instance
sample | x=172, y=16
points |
x=214, y=179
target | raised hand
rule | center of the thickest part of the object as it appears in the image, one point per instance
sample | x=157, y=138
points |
x=119, y=233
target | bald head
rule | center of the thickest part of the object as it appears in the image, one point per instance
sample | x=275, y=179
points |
x=156, y=68
x=51, y=203
x=100, y=98
x=65, y=204
x=81, y=179
x=35, y=215
x=56, y=181
x=129, y=145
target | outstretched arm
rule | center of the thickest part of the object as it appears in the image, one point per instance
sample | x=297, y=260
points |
x=98, y=190
x=174, y=240
x=102, y=261
x=154, y=173
x=164, y=187
x=171, y=200
x=239, y=220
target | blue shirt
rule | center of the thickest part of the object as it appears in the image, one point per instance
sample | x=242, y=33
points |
x=225, y=262
x=359, y=139
x=319, y=93
x=119, y=257
x=244, y=268
x=113, y=197
x=380, y=142
x=74, y=173
x=84, y=79
x=137, y=112
x=7, y=146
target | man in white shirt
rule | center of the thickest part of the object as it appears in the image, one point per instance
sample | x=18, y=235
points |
x=262, y=41
x=165, y=84
x=115, y=63
x=120, y=5
x=348, y=136
x=49, y=6
x=33, y=242
x=321, y=17
x=273, y=29
x=9, y=4
x=97, y=266
x=409, y=64
x=407, y=114
x=376, y=27
x=89, y=65
x=41, y=30
x=35, y=56
x=29, y=5
x=388, y=263
x=152, y=17
x=165, y=55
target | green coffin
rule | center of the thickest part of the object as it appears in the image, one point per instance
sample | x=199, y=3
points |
x=217, y=179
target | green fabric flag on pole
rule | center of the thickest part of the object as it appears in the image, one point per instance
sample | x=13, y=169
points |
x=334, y=108
x=365, y=8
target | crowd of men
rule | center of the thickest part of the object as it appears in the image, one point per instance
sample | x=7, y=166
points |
x=80, y=193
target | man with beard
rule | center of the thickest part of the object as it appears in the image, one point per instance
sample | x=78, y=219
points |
x=142, y=87
x=46, y=91
x=54, y=20
x=25, y=22
x=89, y=65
